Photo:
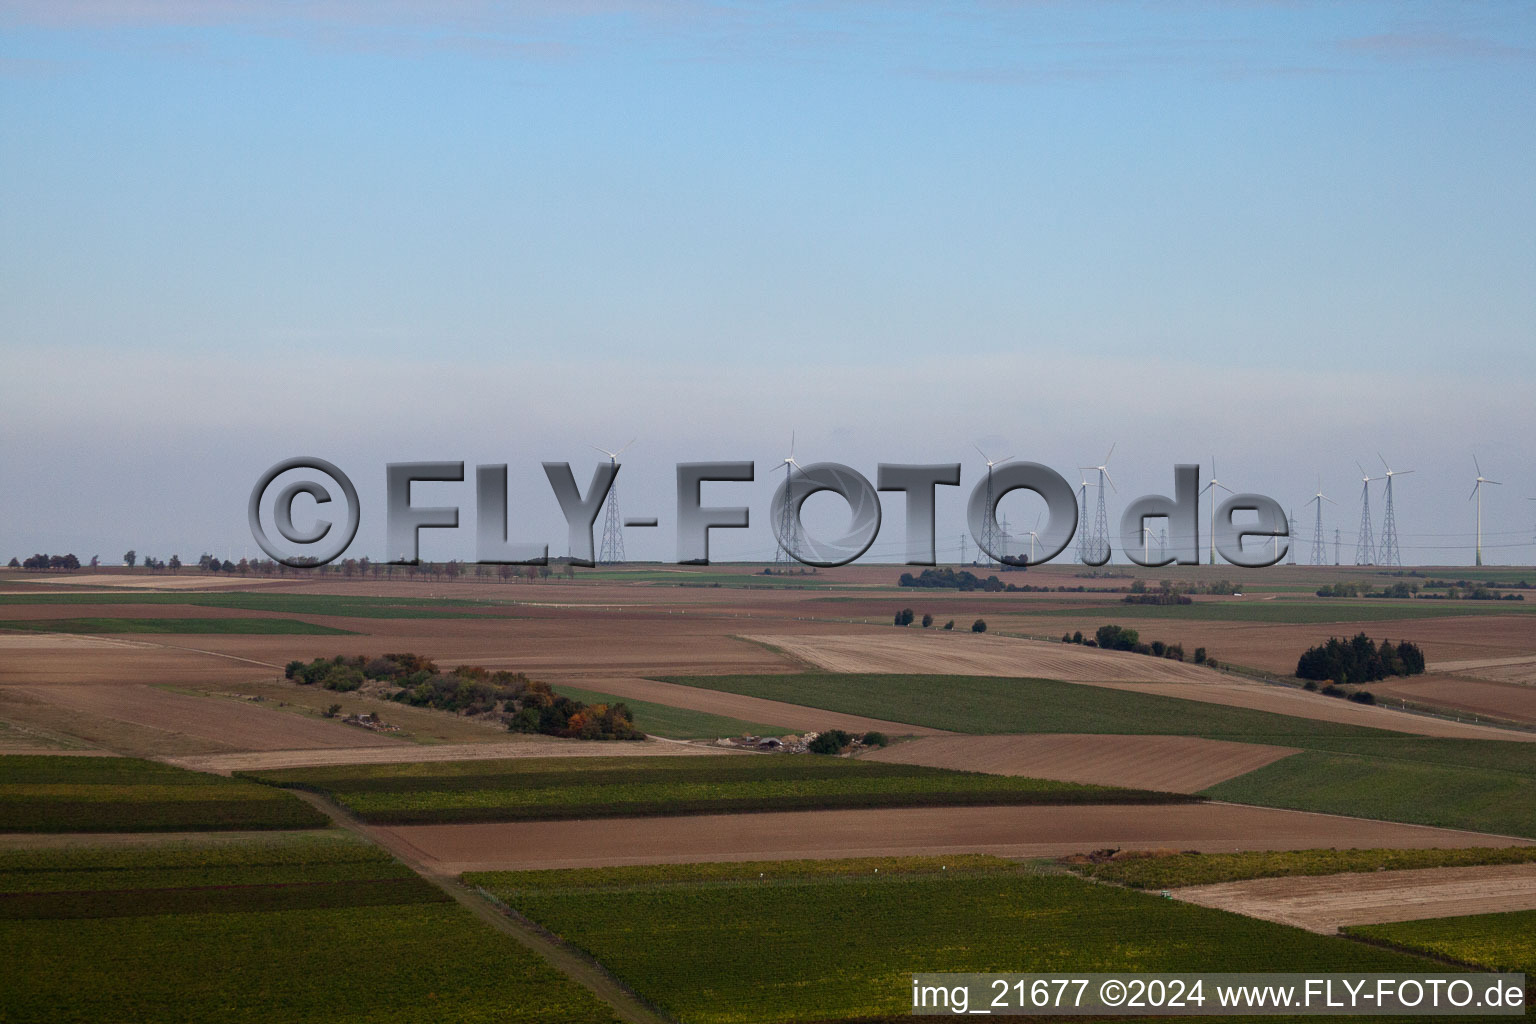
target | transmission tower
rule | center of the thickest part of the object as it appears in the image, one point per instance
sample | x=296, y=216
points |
x=1388, y=554
x=611, y=552
x=1290, y=553
x=1365, y=546
x=1162, y=544
x=791, y=538
x=962, y=549
x=1098, y=542
x=1319, y=551
x=1082, y=522
x=992, y=539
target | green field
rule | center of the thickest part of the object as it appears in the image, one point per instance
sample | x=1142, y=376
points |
x=677, y=723
x=1209, y=868
x=347, y=605
x=1499, y=942
x=710, y=948
x=201, y=625
x=550, y=788
x=1392, y=789
x=48, y=793
x=990, y=704
x=278, y=930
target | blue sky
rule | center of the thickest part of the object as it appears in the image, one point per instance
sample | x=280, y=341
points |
x=1288, y=235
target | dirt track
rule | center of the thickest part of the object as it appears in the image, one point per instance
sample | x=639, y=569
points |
x=1172, y=764
x=1327, y=903
x=1005, y=831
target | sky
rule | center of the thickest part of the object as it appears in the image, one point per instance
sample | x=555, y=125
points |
x=1285, y=236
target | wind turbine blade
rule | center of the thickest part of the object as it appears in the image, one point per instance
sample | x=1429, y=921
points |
x=1110, y=479
x=791, y=446
x=1383, y=459
x=1477, y=464
x=1037, y=521
x=1474, y=490
x=1402, y=472
x=1111, y=451
x=1361, y=468
x=1327, y=499
x=999, y=462
x=605, y=451
x=1493, y=482
x=1223, y=486
x=981, y=453
x=626, y=448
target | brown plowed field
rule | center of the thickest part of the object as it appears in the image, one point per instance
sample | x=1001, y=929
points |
x=1520, y=669
x=1004, y=831
x=399, y=753
x=1171, y=764
x=967, y=654
x=1511, y=702
x=229, y=724
x=106, y=661
x=751, y=709
x=1325, y=904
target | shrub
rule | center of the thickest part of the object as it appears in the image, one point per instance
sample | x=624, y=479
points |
x=1117, y=638
x=1066, y=638
x=927, y=620
x=1199, y=655
x=876, y=739
x=979, y=626
x=332, y=711
x=904, y=617
x=1077, y=636
x=833, y=741
x=950, y=624
x=1363, y=697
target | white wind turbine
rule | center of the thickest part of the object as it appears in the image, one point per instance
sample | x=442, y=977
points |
x=1214, y=483
x=989, y=529
x=1477, y=492
x=1034, y=536
x=1319, y=549
x=612, y=549
x=789, y=523
x=1388, y=553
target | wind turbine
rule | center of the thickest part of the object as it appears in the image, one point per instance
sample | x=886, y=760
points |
x=1319, y=549
x=1389, y=555
x=612, y=550
x=1477, y=492
x=989, y=530
x=789, y=523
x=1034, y=536
x=1099, y=542
x=1082, y=521
x=1214, y=483
x=1365, y=546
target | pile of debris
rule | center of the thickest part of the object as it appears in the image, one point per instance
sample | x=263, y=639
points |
x=368, y=720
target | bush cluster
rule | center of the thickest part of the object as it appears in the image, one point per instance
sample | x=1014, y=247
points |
x=1121, y=638
x=1359, y=660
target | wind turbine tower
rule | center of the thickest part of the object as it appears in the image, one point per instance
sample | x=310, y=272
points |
x=1319, y=549
x=1098, y=545
x=1214, y=483
x=611, y=551
x=1290, y=552
x=1365, y=545
x=1389, y=554
x=1083, y=542
x=1477, y=492
x=992, y=539
x=791, y=537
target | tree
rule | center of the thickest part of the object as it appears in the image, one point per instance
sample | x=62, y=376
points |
x=950, y=624
x=979, y=626
x=904, y=617
x=130, y=557
x=95, y=561
x=832, y=741
x=1117, y=638
x=13, y=563
x=175, y=563
x=927, y=620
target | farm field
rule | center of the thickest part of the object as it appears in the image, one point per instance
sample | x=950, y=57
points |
x=1327, y=903
x=119, y=794
x=784, y=948
x=1172, y=871
x=903, y=831
x=207, y=624
x=513, y=746
x=1499, y=942
x=1174, y=764
x=534, y=789
x=94, y=934
x=1393, y=788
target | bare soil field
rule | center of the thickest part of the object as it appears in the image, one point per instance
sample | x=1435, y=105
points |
x=1326, y=903
x=1004, y=831
x=969, y=654
x=1290, y=700
x=526, y=746
x=92, y=580
x=1519, y=669
x=231, y=724
x=1170, y=764
x=1514, y=702
x=750, y=709
x=99, y=661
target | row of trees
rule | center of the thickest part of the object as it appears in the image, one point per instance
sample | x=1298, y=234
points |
x=1359, y=660
x=37, y=563
x=526, y=705
x=1122, y=638
x=906, y=617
